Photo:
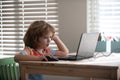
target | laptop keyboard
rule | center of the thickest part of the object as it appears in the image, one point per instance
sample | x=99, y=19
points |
x=70, y=57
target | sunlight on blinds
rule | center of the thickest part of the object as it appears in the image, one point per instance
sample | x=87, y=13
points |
x=103, y=15
x=17, y=15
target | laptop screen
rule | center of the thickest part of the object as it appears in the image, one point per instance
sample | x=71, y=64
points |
x=87, y=44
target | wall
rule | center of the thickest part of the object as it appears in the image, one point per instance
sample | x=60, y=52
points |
x=72, y=21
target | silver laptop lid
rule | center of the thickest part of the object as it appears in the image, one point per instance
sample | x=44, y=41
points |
x=87, y=44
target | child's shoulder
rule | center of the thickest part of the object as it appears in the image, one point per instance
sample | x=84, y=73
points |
x=28, y=50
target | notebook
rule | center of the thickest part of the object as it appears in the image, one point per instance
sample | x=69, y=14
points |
x=86, y=47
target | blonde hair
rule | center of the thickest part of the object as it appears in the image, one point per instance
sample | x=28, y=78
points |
x=35, y=31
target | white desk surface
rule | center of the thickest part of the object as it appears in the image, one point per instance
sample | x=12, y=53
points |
x=99, y=60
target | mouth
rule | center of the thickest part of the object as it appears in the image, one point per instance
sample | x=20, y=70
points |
x=47, y=45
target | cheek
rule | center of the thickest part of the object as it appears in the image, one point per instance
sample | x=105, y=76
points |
x=43, y=42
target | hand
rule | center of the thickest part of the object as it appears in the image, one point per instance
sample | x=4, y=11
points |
x=55, y=37
x=43, y=58
x=47, y=55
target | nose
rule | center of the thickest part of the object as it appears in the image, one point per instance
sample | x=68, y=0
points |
x=49, y=39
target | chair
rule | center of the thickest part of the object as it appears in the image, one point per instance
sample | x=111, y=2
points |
x=8, y=69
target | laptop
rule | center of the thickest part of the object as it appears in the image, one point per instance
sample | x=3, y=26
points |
x=86, y=47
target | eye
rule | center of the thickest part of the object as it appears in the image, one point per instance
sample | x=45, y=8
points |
x=51, y=37
x=45, y=37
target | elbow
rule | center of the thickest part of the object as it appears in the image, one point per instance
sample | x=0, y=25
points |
x=16, y=58
x=66, y=53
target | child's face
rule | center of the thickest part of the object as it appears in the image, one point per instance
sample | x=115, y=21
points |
x=45, y=40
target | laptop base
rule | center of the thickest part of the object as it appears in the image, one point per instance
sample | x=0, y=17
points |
x=73, y=58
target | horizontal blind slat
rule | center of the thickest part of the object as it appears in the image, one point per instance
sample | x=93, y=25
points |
x=16, y=16
x=104, y=15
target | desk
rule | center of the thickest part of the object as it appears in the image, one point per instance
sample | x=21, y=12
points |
x=101, y=67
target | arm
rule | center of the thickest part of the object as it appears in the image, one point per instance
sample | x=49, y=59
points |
x=27, y=56
x=62, y=49
x=20, y=57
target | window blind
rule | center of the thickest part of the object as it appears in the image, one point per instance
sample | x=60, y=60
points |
x=17, y=15
x=104, y=16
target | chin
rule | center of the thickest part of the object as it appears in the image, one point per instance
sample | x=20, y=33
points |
x=45, y=47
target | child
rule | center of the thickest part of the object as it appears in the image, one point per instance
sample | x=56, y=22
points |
x=37, y=40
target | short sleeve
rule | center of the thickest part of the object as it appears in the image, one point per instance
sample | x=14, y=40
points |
x=53, y=52
x=23, y=52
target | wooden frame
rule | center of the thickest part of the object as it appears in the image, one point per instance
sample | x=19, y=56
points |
x=72, y=69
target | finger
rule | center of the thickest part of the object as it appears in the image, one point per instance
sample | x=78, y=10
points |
x=44, y=57
x=49, y=55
